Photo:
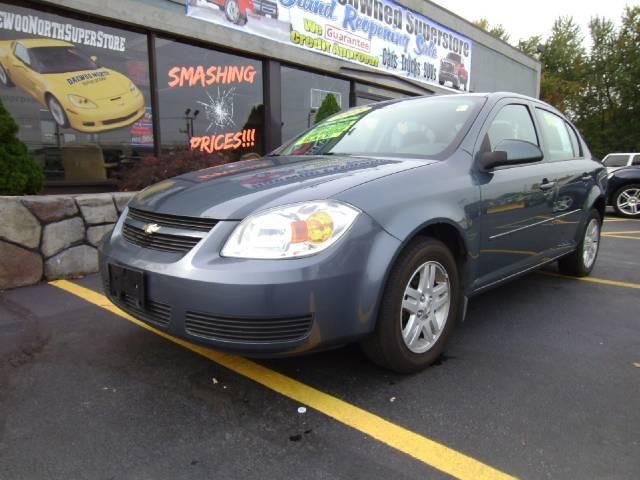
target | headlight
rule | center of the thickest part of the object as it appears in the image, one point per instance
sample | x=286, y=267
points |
x=290, y=231
x=133, y=89
x=81, y=102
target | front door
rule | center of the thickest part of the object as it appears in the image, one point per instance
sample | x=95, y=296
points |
x=517, y=201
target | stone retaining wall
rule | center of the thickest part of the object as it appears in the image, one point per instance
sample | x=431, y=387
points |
x=50, y=237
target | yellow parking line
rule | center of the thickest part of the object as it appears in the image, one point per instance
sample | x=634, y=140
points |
x=604, y=281
x=617, y=220
x=620, y=232
x=607, y=235
x=421, y=448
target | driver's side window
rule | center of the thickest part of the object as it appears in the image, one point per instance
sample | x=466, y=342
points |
x=513, y=122
x=22, y=54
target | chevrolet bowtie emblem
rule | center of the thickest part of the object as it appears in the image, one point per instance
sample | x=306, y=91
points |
x=150, y=228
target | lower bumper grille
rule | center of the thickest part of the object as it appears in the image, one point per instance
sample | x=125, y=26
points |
x=155, y=313
x=248, y=330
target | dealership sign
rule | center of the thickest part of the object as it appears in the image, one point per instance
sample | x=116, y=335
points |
x=380, y=34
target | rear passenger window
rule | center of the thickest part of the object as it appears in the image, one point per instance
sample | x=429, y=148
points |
x=636, y=160
x=616, y=160
x=575, y=143
x=556, y=137
x=513, y=122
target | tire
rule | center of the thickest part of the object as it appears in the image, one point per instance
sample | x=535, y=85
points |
x=5, y=80
x=387, y=346
x=57, y=112
x=578, y=264
x=232, y=12
x=627, y=207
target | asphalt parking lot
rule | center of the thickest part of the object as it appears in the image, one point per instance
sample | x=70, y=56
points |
x=541, y=381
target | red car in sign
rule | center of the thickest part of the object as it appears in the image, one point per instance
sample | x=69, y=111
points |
x=452, y=70
x=236, y=10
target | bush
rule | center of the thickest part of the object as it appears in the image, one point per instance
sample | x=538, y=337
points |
x=19, y=172
x=328, y=107
x=151, y=170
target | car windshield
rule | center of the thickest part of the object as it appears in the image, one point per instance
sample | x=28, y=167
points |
x=417, y=128
x=616, y=161
x=454, y=56
x=59, y=60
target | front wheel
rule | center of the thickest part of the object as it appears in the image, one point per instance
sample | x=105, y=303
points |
x=4, y=77
x=626, y=201
x=57, y=112
x=233, y=13
x=419, y=308
x=580, y=263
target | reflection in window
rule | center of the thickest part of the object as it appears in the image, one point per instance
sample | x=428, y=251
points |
x=302, y=95
x=556, y=136
x=209, y=101
x=82, y=110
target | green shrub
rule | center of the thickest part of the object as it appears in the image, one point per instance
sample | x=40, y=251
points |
x=328, y=107
x=19, y=172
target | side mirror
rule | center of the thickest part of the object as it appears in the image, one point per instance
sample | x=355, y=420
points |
x=511, y=152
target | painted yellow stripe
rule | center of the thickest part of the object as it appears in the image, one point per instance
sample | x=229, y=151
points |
x=604, y=281
x=618, y=220
x=621, y=232
x=607, y=235
x=421, y=448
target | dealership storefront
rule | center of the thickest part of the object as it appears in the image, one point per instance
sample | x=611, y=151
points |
x=96, y=87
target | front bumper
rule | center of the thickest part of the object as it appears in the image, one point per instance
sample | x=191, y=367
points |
x=107, y=116
x=302, y=304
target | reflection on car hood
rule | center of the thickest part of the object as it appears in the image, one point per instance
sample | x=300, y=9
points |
x=235, y=190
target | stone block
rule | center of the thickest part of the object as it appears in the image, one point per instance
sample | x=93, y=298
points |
x=97, y=233
x=18, y=267
x=80, y=260
x=60, y=235
x=97, y=208
x=18, y=224
x=51, y=208
x=121, y=199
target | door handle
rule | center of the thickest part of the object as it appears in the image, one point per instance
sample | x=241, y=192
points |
x=585, y=177
x=546, y=185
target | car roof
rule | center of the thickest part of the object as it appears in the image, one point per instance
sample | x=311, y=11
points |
x=43, y=42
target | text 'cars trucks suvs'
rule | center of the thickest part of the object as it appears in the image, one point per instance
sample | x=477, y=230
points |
x=374, y=226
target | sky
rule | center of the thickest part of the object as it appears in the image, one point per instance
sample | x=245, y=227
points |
x=523, y=19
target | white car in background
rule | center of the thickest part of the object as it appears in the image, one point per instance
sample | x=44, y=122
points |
x=614, y=161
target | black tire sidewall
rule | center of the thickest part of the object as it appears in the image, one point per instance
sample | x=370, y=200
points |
x=615, y=200
x=397, y=355
x=583, y=270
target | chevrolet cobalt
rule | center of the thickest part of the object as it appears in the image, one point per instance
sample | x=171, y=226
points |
x=376, y=226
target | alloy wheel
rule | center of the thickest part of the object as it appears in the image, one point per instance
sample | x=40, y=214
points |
x=425, y=307
x=57, y=112
x=629, y=201
x=591, y=242
x=233, y=11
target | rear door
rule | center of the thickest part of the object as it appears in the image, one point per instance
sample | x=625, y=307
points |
x=573, y=175
x=516, y=200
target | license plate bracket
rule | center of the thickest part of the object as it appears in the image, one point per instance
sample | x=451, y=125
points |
x=127, y=282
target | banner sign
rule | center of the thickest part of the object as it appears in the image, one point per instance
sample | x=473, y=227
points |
x=376, y=33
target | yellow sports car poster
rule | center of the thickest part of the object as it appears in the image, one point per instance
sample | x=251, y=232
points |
x=78, y=92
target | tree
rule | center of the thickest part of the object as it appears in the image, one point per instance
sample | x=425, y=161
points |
x=497, y=31
x=328, y=107
x=19, y=172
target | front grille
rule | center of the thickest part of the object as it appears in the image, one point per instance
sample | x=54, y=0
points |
x=155, y=313
x=158, y=241
x=174, y=221
x=446, y=67
x=111, y=121
x=254, y=330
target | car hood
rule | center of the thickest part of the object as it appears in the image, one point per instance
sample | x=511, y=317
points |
x=233, y=191
x=92, y=84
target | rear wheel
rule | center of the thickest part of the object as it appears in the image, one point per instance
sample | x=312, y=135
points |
x=582, y=260
x=626, y=201
x=419, y=308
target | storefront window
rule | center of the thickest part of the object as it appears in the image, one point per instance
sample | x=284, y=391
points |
x=209, y=101
x=79, y=93
x=302, y=94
